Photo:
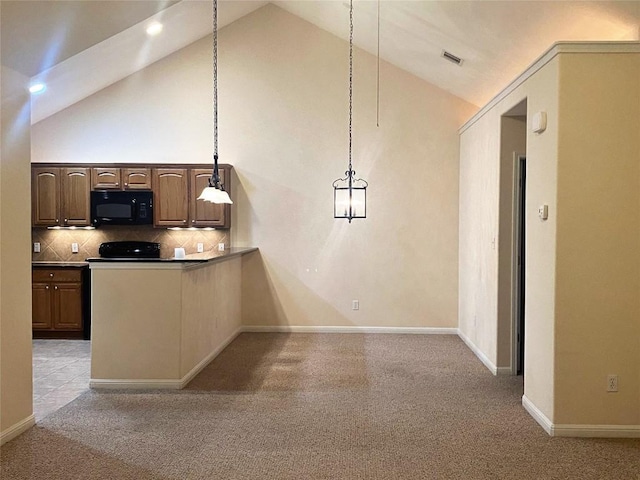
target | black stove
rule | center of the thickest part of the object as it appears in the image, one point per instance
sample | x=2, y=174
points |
x=129, y=249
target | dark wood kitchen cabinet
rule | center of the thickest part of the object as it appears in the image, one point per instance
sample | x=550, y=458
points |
x=114, y=178
x=45, y=193
x=61, y=192
x=201, y=213
x=170, y=197
x=60, y=196
x=176, y=204
x=136, y=178
x=58, y=302
x=106, y=178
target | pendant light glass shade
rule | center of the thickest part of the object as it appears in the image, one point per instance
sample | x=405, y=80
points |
x=215, y=193
x=350, y=197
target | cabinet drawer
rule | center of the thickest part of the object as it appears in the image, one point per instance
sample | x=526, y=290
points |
x=105, y=178
x=136, y=178
x=57, y=275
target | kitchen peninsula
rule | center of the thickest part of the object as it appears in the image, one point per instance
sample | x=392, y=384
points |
x=157, y=322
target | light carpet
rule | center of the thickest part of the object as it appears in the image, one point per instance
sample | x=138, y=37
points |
x=317, y=406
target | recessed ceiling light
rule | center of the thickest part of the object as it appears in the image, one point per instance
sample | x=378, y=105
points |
x=37, y=88
x=154, y=28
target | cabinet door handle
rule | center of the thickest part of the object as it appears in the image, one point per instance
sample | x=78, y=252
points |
x=56, y=287
x=46, y=287
x=125, y=184
x=66, y=220
x=118, y=184
x=51, y=275
x=57, y=221
x=193, y=221
x=184, y=221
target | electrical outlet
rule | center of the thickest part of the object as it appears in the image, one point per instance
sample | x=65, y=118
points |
x=221, y=247
x=200, y=247
x=74, y=248
x=36, y=247
x=612, y=383
x=355, y=305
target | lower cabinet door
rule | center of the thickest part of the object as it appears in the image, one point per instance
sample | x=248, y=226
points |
x=67, y=306
x=41, y=306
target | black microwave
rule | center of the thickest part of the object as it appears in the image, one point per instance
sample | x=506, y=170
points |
x=121, y=208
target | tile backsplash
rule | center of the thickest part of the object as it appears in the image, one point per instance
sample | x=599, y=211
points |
x=55, y=245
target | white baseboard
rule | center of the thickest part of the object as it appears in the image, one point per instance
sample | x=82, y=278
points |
x=537, y=415
x=600, y=431
x=135, y=384
x=576, y=430
x=483, y=358
x=504, y=371
x=209, y=358
x=162, y=384
x=17, y=429
x=348, y=329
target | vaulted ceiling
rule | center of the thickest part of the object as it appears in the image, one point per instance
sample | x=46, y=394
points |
x=68, y=43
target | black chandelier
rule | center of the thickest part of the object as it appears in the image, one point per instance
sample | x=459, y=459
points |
x=215, y=192
x=350, y=193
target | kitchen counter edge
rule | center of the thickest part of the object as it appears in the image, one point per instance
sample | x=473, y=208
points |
x=58, y=264
x=192, y=260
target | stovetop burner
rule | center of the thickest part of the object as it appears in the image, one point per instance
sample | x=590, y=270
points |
x=129, y=249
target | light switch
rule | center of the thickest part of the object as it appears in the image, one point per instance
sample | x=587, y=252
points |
x=221, y=247
x=200, y=247
x=543, y=212
x=36, y=247
x=74, y=248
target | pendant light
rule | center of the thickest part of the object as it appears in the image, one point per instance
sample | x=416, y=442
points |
x=350, y=193
x=215, y=192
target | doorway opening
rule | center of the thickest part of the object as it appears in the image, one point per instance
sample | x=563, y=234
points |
x=511, y=247
x=519, y=226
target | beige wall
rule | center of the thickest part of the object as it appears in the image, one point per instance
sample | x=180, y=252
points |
x=484, y=183
x=583, y=263
x=135, y=323
x=284, y=126
x=15, y=273
x=154, y=324
x=211, y=310
x=598, y=247
x=401, y=262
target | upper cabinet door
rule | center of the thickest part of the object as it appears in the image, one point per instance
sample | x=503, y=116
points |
x=170, y=197
x=105, y=178
x=76, y=185
x=45, y=192
x=136, y=178
x=205, y=214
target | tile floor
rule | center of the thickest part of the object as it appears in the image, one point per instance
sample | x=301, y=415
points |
x=61, y=371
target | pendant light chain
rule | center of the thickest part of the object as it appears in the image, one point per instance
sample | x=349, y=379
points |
x=215, y=192
x=378, y=80
x=215, y=78
x=350, y=79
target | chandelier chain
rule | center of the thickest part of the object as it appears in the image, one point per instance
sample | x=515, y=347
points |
x=215, y=78
x=350, y=78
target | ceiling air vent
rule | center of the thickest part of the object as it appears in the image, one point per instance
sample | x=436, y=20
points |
x=451, y=57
